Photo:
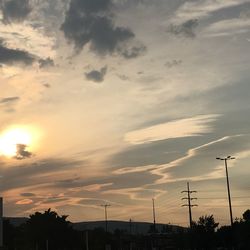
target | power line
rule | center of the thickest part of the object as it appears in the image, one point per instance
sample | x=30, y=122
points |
x=227, y=206
x=214, y=198
x=189, y=200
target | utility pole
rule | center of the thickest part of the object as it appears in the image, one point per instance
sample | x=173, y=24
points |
x=130, y=226
x=87, y=239
x=106, y=215
x=153, y=203
x=189, y=205
x=1, y=222
x=47, y=244
x=228, y=186
x=130, y=234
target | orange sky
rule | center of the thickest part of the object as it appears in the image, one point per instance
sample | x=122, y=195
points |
x=128, y=108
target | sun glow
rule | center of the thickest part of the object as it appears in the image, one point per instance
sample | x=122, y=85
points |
x=11, y=138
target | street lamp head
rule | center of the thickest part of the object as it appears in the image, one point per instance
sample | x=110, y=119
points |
x=226, y=158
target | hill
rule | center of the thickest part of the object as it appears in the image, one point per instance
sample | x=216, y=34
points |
x=136, y=227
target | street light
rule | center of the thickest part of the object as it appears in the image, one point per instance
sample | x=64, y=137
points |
x=228, y=187
x=106, y=216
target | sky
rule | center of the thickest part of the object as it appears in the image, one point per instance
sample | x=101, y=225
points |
x=123, y=101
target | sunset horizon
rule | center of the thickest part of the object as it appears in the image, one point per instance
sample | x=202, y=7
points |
x=120, y=102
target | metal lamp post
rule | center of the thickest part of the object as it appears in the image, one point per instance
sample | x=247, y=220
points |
x=228, y=186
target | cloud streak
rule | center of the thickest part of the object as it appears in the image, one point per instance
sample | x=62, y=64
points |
x=194, y=126
x=12, y=56
x=186, y=28
x=200, y=9
x=8, y=100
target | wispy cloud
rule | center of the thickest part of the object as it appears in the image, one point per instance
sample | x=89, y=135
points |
x=9, y=99
x=138, y=193
x=25, y=37
x=228, y=27
x=24, y=202
x=200, y=9
x=194, y=126
x=133, y=169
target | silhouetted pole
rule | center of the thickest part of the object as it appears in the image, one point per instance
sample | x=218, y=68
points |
x=189, y=205
x=130, y=233
x=153, y=203
x=106, y=216
x=130, y=226
x=228, y=186
x=87, y=239
x=1, y=222
x=47, y=244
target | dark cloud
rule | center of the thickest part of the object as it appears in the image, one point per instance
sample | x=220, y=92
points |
x=26, y=174
x=8, y=100
x=123, y=77
x=12, y=56
x=44, y=63
x=15, y=10
x=21, y=152
x=46, y=85
x=133, y=52
x=245, y=14
x=92, y=22
x=27, y=194
x=186, y=29
x=95, y=75
x=158, y=152
x=173, y=63
x=54, y=199
x=8, y=103
x=69, y=182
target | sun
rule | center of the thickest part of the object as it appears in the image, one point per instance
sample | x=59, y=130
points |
x=11, y=138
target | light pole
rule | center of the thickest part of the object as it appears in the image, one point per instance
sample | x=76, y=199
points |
x=1, y=222
x=228, y=186
x=106, y=216
x=153, y=201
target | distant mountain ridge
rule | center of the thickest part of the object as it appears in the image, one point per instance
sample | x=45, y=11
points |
x=136, y=227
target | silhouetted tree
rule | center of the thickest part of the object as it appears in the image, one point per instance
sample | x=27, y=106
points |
x=246, y=216
x=50, y=228
x=241, y=231
x=224, y=237
x=9, y=234
x=203, y=232
x=152, y=229
x=166, y=229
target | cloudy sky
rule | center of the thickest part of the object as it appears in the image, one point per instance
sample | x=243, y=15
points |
x=124, y=100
